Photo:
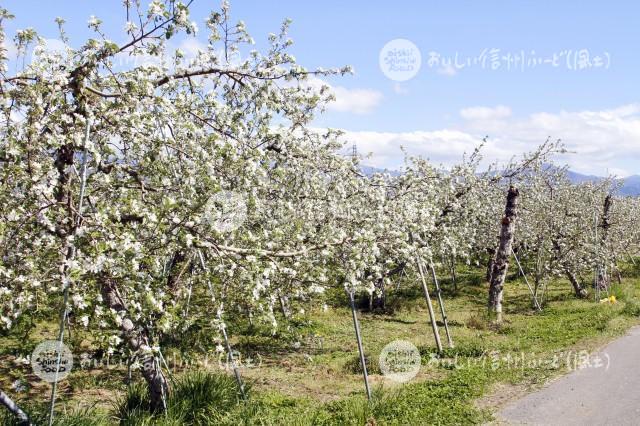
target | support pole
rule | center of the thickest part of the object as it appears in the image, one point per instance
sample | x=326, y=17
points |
x=533, y=295
x=432, y=317
x=23, y=418
x=70, y=255
x=363, y=361
x=441, y=303
x=236, y=372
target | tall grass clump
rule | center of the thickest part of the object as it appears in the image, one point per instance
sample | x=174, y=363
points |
x=196, y=398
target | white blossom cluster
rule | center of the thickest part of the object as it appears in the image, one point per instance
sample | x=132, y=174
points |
x=110, y=175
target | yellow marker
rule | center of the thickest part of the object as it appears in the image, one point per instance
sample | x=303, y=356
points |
x=610, y=299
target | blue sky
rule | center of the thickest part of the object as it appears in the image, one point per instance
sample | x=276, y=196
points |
x=442, y=113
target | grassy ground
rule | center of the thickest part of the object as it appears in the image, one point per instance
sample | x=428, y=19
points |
x=310, y=375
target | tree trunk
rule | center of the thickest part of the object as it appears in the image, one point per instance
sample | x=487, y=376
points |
x=501, y=259
x=492, y=254
x=618, y=273
x=581, y=292
x=283, y=306
x=378, y=297
x=20, y=415
x=454, y=279
x=136, y=338
x=603, y=280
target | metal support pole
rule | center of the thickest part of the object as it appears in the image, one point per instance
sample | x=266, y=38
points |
x=432, y=316
x=363, y=361
x=441, y=303
x=21, y=416
x=236, y=372
x=533, y=295
x=70, y=255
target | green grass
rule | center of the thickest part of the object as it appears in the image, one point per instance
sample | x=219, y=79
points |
x=310, y=373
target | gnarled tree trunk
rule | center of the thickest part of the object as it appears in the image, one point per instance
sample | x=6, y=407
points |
x=581, y=292
x=501, y=259
x=136, y=338
x=492, y=255
x=603, y=280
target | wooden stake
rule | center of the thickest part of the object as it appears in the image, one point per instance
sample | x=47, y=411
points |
x=363, y=361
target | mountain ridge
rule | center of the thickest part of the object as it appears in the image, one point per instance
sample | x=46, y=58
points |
x=629, y=186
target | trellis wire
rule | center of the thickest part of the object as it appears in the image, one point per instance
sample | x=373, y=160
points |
x=71, y=252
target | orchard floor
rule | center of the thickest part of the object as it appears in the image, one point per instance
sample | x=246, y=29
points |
x=308, y=374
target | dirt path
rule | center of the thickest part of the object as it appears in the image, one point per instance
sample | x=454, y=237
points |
x=605, y=395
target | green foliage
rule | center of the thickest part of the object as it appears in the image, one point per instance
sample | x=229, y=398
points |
x=354, y=366
x=39, y=415
x=197, y=398
x=466, y=349
x=631, y=308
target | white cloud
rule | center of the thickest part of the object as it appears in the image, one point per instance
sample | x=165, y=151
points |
x=441, y=146
x=485, y=113
x=599, y=142
x=356, y=101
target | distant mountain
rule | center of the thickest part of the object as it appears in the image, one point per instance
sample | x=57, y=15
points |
x=630, y=185
x=576, y=177
x=370, y=171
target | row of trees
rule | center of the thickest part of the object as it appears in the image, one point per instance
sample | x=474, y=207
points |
x=111, y=181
